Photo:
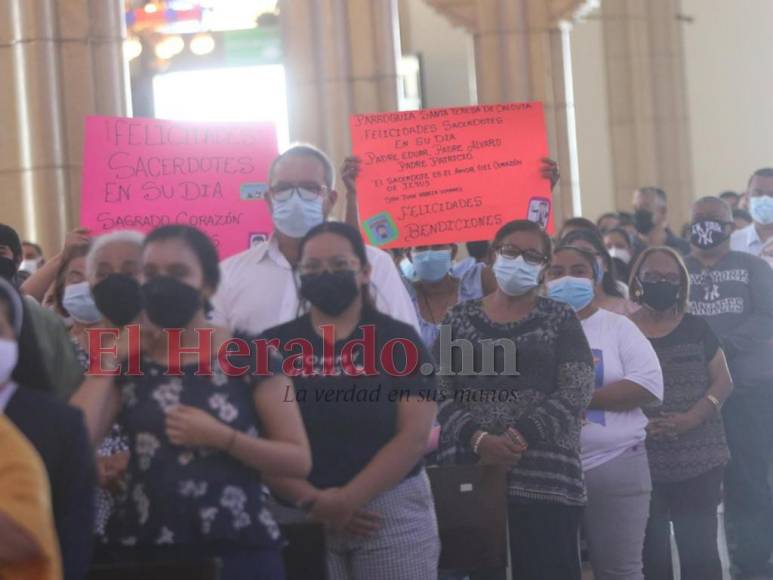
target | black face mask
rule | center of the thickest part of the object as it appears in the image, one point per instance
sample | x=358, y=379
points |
x=643, y=221
x=659, y=296
x=7, y=269
x=119, y=298
x=707, y=234
x=331, y=292
x=170, y=303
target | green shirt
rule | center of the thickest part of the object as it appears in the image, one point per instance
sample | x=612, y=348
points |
x=56, y=348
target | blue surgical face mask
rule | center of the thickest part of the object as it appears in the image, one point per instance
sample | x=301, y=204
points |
x=515, y=276
x=294, y=217
x=761, y=209
x=431, y=265
x=576, y=292
x=79, y=302
x=406, y=267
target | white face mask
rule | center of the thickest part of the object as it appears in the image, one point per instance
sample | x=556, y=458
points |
x=79, y=303
x=9, y=356
x=621, y=254
x=30, y=266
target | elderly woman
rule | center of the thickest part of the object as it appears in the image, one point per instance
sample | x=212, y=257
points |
x=112, y=271
x=112, y=268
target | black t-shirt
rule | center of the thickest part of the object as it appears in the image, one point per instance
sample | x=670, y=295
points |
x=684, y=356
x=691, y=330
x=350, y=418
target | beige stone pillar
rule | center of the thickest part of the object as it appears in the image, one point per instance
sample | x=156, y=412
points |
x=60, y=60
x=340, y=58
x=649, y=122
x=522, y=53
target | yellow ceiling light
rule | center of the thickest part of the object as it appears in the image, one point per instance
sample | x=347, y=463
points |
x=170, y=47
x=202, y=44
x=132, y=48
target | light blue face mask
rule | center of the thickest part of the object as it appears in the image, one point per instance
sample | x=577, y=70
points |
x=515, y=276
x=406, y=267
x=79, y=302
x=576, y=292
x=294, y=217
x=431, y=265
x=761, y=209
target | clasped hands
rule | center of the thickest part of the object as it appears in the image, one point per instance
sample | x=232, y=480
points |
x=506, y=449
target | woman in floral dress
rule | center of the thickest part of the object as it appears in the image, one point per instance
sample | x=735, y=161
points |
x=199, y=441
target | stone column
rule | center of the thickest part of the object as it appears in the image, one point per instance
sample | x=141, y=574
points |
x=522, y=53
x=340, y=59
x=649, y=122
x=60, y=60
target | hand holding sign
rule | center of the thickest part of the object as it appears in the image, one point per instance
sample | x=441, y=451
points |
x=451, y=175
x=349, y=173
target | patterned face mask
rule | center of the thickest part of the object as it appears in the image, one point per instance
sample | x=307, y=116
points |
x=707, y=234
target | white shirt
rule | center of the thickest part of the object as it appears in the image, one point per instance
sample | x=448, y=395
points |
x=620, y=352
x=6, y=393
x=747, y=240
x=258, y=289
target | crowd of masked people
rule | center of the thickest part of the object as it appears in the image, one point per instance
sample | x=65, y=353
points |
x=643, y=396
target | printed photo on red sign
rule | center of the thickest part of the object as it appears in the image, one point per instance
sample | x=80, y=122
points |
x=438, y=176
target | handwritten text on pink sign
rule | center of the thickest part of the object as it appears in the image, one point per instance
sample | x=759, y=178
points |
x=143, y=173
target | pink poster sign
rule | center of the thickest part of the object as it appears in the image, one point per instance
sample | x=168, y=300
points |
x=139, y=174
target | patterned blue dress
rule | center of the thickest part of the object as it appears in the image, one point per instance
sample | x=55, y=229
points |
x=188, y=496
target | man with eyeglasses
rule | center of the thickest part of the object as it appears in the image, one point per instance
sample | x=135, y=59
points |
x=733, y=291
x=258, y=287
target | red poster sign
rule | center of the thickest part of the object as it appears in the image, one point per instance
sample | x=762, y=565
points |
x=439, y=176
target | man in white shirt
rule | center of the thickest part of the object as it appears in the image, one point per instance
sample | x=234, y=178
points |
x=752, y=238
x=258, y=287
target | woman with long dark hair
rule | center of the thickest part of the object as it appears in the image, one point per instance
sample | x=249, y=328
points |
x=368, y=411
x=199, y=441
x=614, y=458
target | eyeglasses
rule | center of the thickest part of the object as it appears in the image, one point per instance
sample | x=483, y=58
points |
x=307, y=191
x=530, y=256
x=334, y=264
x=655, y=277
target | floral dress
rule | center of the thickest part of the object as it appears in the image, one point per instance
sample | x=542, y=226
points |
x=114, y=443
x=181, y=495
